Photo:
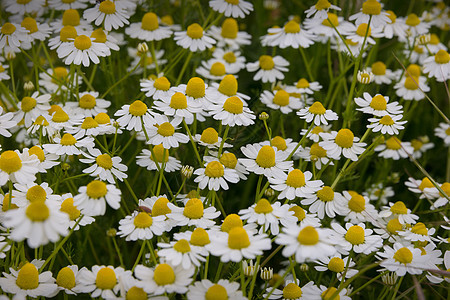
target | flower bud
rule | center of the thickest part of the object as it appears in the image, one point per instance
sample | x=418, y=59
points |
x=266, y=273
x=112, y=232
x=263, y=116
x=389, y=278
x=28, y=86
x=142, y=48
x=365, y=77
x=187, y=171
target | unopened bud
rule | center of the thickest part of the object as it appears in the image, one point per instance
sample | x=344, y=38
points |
x=142, y=48
x=365, y=77
x=389, y=278
x=187, y=171
x=28, y=86
x=116, y=124
x=266, y=273
x=249, y=268
x=304, y=268
x=112, y=232
x=10, y=55
x=65, y=166
x=269, y=192
x=263, y=116
x=423, y=39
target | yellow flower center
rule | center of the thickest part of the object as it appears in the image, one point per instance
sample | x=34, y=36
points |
x=322, y=4
x=104, y=161
x=182, y=246
x=83, y=42
x=160, y=154
x=362, y=29
x=234, y=105
x=199, y=237
x=30, y=24
x=371, y=7
x=228, y=86
x=378, y=103
x=393, y=226
x=393, y=143
x=403, y=256
x=418, y=49
x=392, y=16
x=150, y=21
x=355, y=235
x=326, y=194
x=420, y=228
x=279, y=143
x=60, y=73
x=41, y=121
x=229, y=57
x=414, y=70
x=28, y=277
x=36, y=193
x=37, y=211
x=87, y=101
x=96, y=189
x=292, y=27
x=399, y=208
x=68, y=140
x=99, y=36
x=88, y=123
x=136, y=293
x=434, y=39
x=266, y=157
x=447, y=131
x=230, y=29
x=71, y=17
x=66, y=278
x=10, y=162
x=229, y=160
x=344, y=138
x=195, y=31
x=107, y=7
x=178, y=101
x=317, y=130
x=195, y=88
x=106, y=279
x=164, y=274
x=416, y=144
x=160, y=207
x=216, y=292
x=295, y=178
x=326, y=295
x=412, y=20
x=217, y=69
x=209, y=136
x=386, y=120
x=60, y=116
x=332, y=20
x=292, y=291
x=167, y=20
x=281, y=98
x=446, y=188
x=36, y=150
x=308, y=236
x=317, y=108
x=336, y=264
x=6, y=205
x=299, y=212
x=266, y=62
x=378, y=68
x=357, y=203
x=23, y=1
x=8, y=28
x=193, y=209
x=27, y=104
x=231, y=221
x=162, y=84
x=350, y=42
x=442, y=57
x=143, y=220
x=214, y=169
x=302, y=83
x=138, y=108
x=317, y=151
x=233, y=2
x=70, y=209
x=238, y=238
x=263, y=207
x=166, y=129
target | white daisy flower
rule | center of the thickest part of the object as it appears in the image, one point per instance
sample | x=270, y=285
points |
x=82, y=49
x=198, y=238
x=164, y=278
x=3, y=74
x=232, y=8
x=282, y=100
x=355, y=238
x=416, y=27
x=24, y=194
x=324, y=30
x=66, y=206
x=108, y=14
x=316, y=154
x=292, y=290
x=291, y=35
x=42, y=126
x=320, y=9
x=395, y=26
x=378, y=105
x=269, y=69
x=284, y=145
x=176, y=105
x=232, y=112
x=342, y=142
x=6, y=122
x=371, y=10
x=359, y=32
x=306, y=242
x=303, y=86
x=158, y=205
x=238, y=244
x=389, y=124
x=12, y=36
x=141, y=225
x=443, y=131
x=101, y=281
x=19, y=8
x=89, y=104
x=65, y=36
x=402, y=259
x=421, y=145
x=381, y=75
x=194, y=38
x=438, y=66
x=215, y=176
x=265, y=160
x=163, y=132
x=424, y=187
x=197, y=91
x=156, y=160
x=314, y=134
x=219, y=93
x=223, y=288
x=71, y=17
x=93, y=197
x=148, y=29
x=68, y=279
x=32, y=107
x=36, y=31
x=69, y=144
x=324, y=201
x=182, y=253
x=328, y=292
x=145, y=60
x=394, y=148
x=193, y=214
x=317, y=113
x=357, y=208
x=400, y=211
x=295, y=184
x=337, y=265
x=87, y=127
x=18, y=167
x=418, y=232
x=229, y=37
x=129, y=289
x=411, y=87
x=229, y=160
x=104, y=166
x=304, y=217
x=134, y=116
x=210, y=138
x=62, y=5
x=55, y=80
x=40, y=222
x=158, y=88
x=28, y=282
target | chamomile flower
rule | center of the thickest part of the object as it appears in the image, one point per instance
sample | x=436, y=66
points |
x=228, y=36
x=418, y=232
x=402, y=259
x=316, y=154
x=182, y=253
x=228, y=87
x=290, y=35
x=194, y=38
x=148, y=29
x=134, y=116
x=210, y=138
x=229, y=160
x=317, y=113
x=389, y=124
x=69, y=144
x=306, y=242
x=56, y=79
x=378, y=105
x=314, y=133
x=363, y=32
x=163, y=132
x=93, y=197
x=42, y=126
x=82, y=50
x=68, y=279
x=176, y=105
x=28, y=282
x=223, y=288
x=39, y=222
x=141, y=225
x=371, y=10
x=438, y=66
x=337, y=265
x=31, y=108
x=157, y=88
x=233, y=60
x=6, y=122
x=400, y=211
x=19, y=8
x=323, y=30
x=238, y=244
x=381, y=75
x=215, y=176
x=197, y=92
x=193, y=214
x=108, y=14
x=357, y=208
x=443, y=131
x=342, y=142
x=355, y=238
x=18, y=167
x=232, y=112
x=214, y=69
x=36, y=31
x=66, y=206
x=303, y=216
x=324, y=201
x=144, y=60
x=328, y=292
x=4, y=245
x=24, y=194
x=12, y=36
x=104, y=166
x=284, y=145
x=164, y=278
x=424, y=187
x=101, y=281
x=421, y=145
x=269, y=69
x=266, y=160
x=295, y=184
x=416, y=26
x=4, y=74
x=282, y=100
x=231, y=8
x=394, y=148
x=395, y=26
x=303, y=86
x=155, y=160
x=320, y=9
x=63, y=5
x=89, y=104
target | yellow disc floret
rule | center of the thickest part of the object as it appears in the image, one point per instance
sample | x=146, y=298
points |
x=193, y=209
x=266, y=157
x=234, y=105
x=214, y=169
x=263, y=207
x=238, y=238
x=10, y=162
x=164, y=274
x=308, y=236
x=28, y=277
x=106, y=279
x=96, y=189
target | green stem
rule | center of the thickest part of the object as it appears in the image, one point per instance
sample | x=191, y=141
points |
x=301, y=141
x=183, y=69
